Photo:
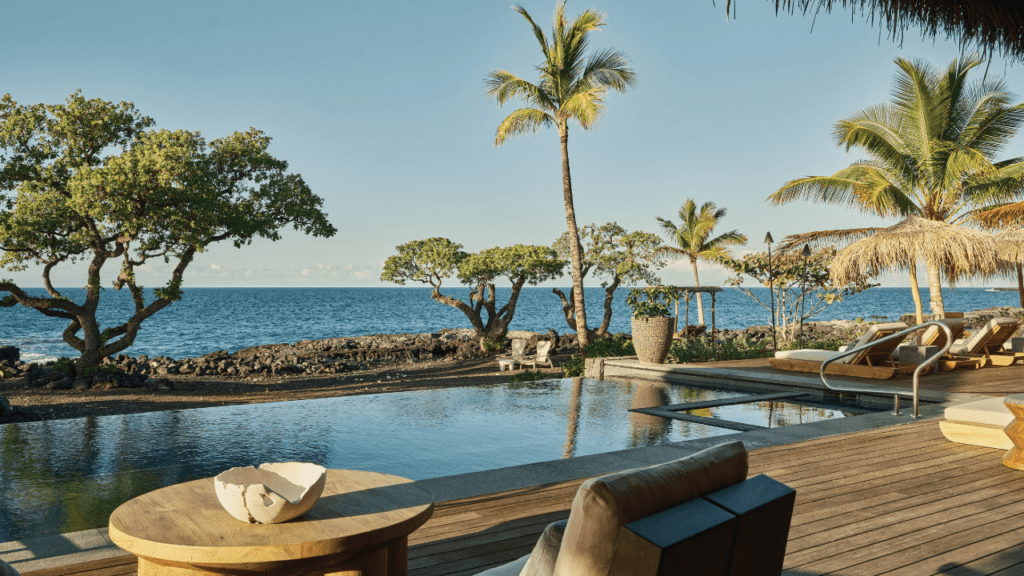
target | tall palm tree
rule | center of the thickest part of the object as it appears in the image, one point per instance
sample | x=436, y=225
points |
x=931, y=152
x=694, y=241
x=572, y=86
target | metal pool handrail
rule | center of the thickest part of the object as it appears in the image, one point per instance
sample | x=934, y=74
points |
x=917, y=372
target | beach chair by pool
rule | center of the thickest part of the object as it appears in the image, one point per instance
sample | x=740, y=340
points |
x=541, y=357
x=656, y=520
x=875, y=362
x=934, y=336
x=987, y=343
x=518, y=350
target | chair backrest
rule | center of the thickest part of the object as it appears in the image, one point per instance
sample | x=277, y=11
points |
x=518, y=347
x=543, y=348
x=992, y=336
x=933, y=336
x=605, y=504
x=880, y=354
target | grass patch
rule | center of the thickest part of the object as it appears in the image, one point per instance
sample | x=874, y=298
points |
x=529, y=376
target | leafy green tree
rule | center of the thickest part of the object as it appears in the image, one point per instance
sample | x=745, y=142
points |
x=616, y=258
x=802, y=288
x=89, y=180
x=693, y=239
x=432, y=260
x=571, y=87
x=931, y=153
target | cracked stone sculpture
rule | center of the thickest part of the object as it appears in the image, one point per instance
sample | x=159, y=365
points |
x=270, y=493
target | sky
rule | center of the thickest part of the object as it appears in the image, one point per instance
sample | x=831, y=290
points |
x=381, y=107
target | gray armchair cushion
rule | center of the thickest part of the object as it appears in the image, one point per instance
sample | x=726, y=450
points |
x=604, y=505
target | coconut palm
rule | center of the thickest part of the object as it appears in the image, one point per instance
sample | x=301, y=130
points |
x=931, y=152
x=694, y=241
x=572, y=86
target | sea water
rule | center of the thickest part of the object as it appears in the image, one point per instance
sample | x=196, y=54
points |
x=209, y=319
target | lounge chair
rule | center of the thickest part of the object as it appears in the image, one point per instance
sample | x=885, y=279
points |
x=934, y=336
x=518, y=350
x=541, y=357
x=987, y=343
x=645, y=521
x=875, y=362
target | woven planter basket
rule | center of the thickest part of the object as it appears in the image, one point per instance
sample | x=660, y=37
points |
x=652, y=338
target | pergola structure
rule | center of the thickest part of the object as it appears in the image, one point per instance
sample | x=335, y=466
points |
x=687, y=293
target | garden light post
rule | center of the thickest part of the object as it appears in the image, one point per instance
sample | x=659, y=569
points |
x=771, y=288
x=806, y=253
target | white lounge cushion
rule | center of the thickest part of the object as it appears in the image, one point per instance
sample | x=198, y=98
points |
x=809, y=355
x=973, y=345
x=990, y=411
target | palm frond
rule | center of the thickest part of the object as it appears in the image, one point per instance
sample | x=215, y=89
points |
x=536, y=29
x=825, y=238
x=584, y=107
x=610, y=69
x=522, y=121
x=503, y=86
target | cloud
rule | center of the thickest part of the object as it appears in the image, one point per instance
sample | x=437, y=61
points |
x=217, y=268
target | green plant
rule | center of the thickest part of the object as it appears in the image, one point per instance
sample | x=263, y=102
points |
x=64, y=365
x=104, y=369
x=493, y=346
x=703, y=350
x=651, y=302
x=574, y=366
x=529, y=376
x=614, y=346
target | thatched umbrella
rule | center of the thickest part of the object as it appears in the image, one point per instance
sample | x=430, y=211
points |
x=1011, y=252
x=957, y=251
x=993, y=25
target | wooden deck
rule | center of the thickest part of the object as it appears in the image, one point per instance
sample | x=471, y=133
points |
x=899, y=501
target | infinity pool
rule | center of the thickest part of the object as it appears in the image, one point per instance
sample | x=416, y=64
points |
x=69, y=475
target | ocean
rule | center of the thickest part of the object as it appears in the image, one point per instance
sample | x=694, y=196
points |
x=210, y=319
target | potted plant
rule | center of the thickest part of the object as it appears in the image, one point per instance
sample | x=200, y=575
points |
x=652, y=324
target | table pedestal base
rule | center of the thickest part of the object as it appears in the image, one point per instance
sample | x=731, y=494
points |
x=391, y=560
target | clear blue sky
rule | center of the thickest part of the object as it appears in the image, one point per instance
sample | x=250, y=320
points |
x=381, y=107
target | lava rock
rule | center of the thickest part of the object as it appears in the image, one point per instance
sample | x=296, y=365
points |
x=80, y=384
x=64, y=383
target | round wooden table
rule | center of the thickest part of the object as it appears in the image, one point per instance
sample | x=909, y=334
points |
x=360, y=526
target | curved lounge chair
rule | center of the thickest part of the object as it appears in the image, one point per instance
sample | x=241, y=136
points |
x=987, y=343
x=541, y=357
x=875, y=362
x=935, y=337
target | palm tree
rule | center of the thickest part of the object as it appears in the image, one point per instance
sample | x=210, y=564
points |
x=931, y=152
x=693, y=238
x=572, y=86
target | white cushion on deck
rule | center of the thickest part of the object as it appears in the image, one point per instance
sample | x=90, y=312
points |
x=988, y=411
x=810, y=355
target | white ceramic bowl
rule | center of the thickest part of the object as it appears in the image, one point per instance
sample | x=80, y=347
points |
x=270, y=493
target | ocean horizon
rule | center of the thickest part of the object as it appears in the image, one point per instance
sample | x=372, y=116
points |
x=219, y=318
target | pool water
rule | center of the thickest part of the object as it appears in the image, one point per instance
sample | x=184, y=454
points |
x=69, y=475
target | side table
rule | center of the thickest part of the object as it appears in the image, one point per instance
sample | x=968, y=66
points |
x=1014, y=457
x=360, y=526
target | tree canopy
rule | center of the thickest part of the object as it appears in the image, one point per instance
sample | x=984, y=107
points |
x=92, y=180
x=615, y=257
x=432, y=260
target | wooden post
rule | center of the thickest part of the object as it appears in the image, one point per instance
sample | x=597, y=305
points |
x=713, y=324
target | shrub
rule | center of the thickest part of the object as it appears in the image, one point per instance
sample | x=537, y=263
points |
x=529, y=376
x=615, y=346
x=574, y=366
x=65, y=365
x=702, y=350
